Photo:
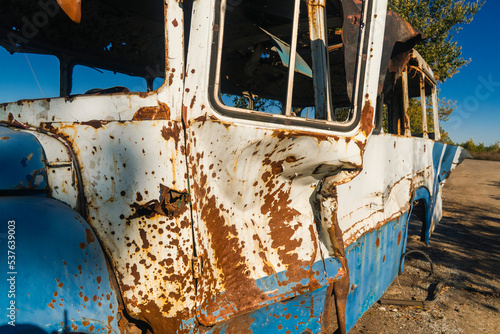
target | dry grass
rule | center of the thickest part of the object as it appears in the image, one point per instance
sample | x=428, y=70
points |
x=495, y=156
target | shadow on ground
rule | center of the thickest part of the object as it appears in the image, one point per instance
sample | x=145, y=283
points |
x=467, y=246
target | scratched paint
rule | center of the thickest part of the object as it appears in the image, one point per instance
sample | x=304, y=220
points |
x=303, y=314
x=137, y=200
x=382, y=196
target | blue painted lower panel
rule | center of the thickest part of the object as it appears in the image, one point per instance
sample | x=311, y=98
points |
x=55, y=274
x=279, y=287
x=373, y=262
x=304, y=312
x=295, y=314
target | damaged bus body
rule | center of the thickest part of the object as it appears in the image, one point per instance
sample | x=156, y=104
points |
x=239, y=196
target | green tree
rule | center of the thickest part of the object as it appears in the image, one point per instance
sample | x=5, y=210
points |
x=439, y=20
x=495, y=148
x=445, y=108
x=469, y=145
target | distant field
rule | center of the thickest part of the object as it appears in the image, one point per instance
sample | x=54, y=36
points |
x=495, y=156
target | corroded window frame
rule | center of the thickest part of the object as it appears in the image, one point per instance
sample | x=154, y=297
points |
x=289, y=120
x=426, y=79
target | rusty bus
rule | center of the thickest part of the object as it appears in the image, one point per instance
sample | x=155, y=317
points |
x=239, y=196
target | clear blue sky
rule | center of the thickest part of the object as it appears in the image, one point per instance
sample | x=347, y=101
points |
x=476, y=88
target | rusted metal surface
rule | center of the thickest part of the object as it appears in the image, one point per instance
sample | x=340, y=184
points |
x=350, y=37
x=406, y=105
x=230, y=198
x=136, y=201
x=252, y=186
x=385, y=197
x=129, y=149
x=435, y=112
x=375, y=254
x=399, y=39
x=423, y=104
x=62, y=173
x=216, y=219
x=390, y=179
x=327, y=199
x=152, y=113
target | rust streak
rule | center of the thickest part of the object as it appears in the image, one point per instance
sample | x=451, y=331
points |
x=89, y=236
x=173, y=131
x=172, y=203
x=96, y=124
x=366, y=124
x=228, y=257
x=162, y=111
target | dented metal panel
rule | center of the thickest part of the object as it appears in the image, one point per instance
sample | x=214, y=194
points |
x=252, y=191
x=373, y=210
x=394, y=168
x=136, y=199
x=257, y=218
x=376, y=254
x=303, y=314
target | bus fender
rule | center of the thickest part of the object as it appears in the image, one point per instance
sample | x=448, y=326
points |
x=56, y=275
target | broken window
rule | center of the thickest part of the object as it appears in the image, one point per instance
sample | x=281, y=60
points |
x=411, y=102
x=105, y=36
x=25, y=76
x=260, y=42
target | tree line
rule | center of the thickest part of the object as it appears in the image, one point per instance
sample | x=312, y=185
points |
x=481, y=151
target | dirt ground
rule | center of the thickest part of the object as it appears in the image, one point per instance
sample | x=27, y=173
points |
x=465, y=250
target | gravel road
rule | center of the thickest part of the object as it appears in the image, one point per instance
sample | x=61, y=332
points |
x=465, y=250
